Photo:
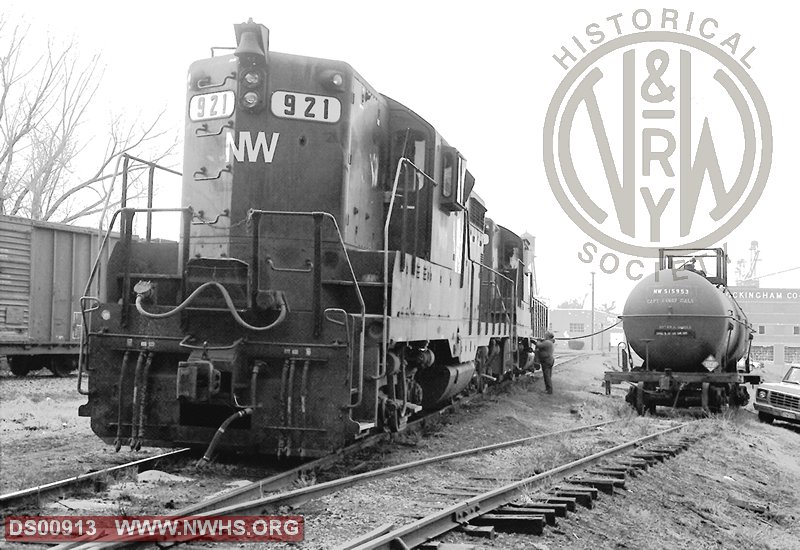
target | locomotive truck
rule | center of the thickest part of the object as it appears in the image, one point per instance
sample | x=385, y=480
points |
x=335, y=274
x=690, y=334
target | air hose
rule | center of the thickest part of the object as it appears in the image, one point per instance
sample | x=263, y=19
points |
x=143, y=289
x=220, y=432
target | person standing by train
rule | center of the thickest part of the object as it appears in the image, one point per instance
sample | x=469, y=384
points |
x=545, y=357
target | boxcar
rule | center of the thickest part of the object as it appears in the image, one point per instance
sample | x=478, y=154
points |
x=43, y=272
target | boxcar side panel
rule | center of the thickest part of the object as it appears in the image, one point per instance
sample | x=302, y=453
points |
x=15, y=273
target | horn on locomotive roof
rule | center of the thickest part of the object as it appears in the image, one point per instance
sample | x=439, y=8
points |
x=251, y=39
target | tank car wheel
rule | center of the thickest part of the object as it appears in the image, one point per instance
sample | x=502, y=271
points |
x=766, y=418
x=19, y=366
x=717, y=400
x=641, y=399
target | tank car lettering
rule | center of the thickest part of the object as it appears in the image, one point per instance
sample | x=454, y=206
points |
x=674, y=290
x=249, y=151
x=306, y=107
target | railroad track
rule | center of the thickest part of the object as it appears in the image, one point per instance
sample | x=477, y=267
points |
x=16, y=498
x=492, y=509
x=259, y=490
x=293, y=498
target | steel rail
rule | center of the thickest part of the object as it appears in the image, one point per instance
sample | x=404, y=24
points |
x=258, y=489
x=438, y=523
x=237, y=499
x=304, y=494
x=10, y=498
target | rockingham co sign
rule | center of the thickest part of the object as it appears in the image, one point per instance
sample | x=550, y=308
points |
x=657, y=136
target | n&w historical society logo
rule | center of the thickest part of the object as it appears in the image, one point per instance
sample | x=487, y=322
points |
x=657, y=136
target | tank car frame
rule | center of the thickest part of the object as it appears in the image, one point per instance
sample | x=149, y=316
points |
x=673, y=335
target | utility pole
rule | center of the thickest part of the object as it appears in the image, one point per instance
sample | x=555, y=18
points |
x=592, y=331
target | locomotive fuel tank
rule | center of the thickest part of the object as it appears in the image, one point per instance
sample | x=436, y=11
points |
x=677, y=319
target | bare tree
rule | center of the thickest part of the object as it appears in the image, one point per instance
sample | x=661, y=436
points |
x=572, y=303
x=44, y=146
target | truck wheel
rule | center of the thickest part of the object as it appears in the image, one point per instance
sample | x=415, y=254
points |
x=765, y=417
x=62, y=366
x=18, y=368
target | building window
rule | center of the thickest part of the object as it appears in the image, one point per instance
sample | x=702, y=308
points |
x=761, y=329
x=576, y=327
x=797, y=329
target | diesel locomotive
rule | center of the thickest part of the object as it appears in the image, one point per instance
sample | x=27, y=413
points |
x=690, y=334
x=335, y=274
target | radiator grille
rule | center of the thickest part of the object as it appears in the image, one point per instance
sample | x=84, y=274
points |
x=783, y=400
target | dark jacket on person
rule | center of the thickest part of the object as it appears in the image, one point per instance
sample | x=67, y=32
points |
x=544, y=352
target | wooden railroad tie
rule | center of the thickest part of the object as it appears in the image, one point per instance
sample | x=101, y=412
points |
x=569, y=503
x=617, y=473
x=483, y=531
x=548, y=513
x=584, y=498
x=605, y=484
x=583, y=488
x=433, y=545
x=528, y=524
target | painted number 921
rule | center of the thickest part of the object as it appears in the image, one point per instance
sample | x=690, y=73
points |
x=306, y=106
x=214, y=105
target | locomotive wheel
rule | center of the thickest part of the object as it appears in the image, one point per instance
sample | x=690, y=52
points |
x=393, y=418
x=481, y=383
x=766, y=418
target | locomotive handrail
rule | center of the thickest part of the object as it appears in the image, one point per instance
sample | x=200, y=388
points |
x=309, y=267
x=187, y=212
x=362, y=305
x=400, y=163
x=512, y=326
x=502, y=301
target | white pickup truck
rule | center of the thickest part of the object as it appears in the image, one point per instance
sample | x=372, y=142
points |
x=780, y=400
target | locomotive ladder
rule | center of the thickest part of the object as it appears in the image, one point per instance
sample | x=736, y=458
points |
x=255, y=217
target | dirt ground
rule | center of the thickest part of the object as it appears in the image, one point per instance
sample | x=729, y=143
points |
x=693, y=501
x=42, y=438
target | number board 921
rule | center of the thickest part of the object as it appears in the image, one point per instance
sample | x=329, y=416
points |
x=213, y=105
x=318, y=108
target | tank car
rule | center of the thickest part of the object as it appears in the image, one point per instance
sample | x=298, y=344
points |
x=690, y=334
x=336, y=272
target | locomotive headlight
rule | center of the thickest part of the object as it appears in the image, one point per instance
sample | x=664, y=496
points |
x=105, y=314
x=252, y=79
x=250, y=99
x=332, y=80
x=761, y=395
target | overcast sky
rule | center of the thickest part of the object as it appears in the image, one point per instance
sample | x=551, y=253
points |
x=481, y=73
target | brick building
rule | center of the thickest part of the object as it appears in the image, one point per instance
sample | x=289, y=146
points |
x=775, y=315
x=569, y=323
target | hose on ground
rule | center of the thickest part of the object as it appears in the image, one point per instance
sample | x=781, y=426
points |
x=220, y=432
